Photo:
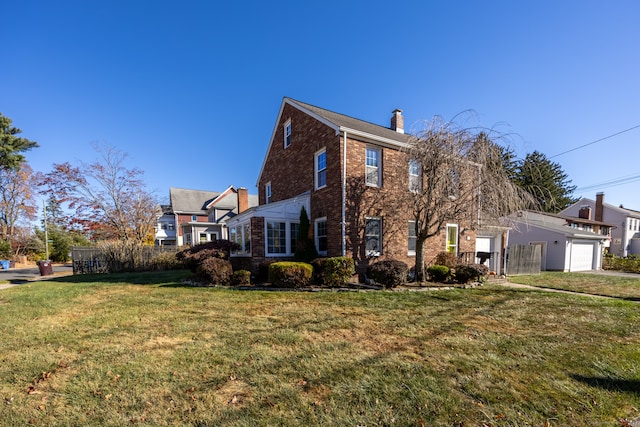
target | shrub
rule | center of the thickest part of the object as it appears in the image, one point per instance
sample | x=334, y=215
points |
x=446, y=258
x=388, y=273
x=305, y=247
x=216, y=271
x=290, y=274
x=439, y=273
x=166, y=261
x=194, y=255
x=5, y=249
x=332, y=272
x=466, y=273
x=630, y=264
x=241, y=278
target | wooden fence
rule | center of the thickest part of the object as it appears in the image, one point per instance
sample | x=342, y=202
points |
x=98, y=260
x=523, y=259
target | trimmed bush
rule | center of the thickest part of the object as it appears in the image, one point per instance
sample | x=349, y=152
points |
x=439, y=273
x=290, y=274
x=215, y=271
x=467, y=273
x=166, y=261
x=332, y=272
x=241, y=278
x=446, y=258
x=388, y=273
x=194, y=255
x=630, y=264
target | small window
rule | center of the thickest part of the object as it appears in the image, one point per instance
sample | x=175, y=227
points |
x=194, y=217
x=453, y=184
x=287, y=133
x=267, y=193
x=452, y=238
x=414, y=176
x=295, y=227
x=321, y=235
x=163, y=227
x=412, y=238
x=373, y=236
x=373, y=167
x=321, y=169
x=170, y=226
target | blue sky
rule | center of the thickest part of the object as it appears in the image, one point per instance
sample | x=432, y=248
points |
x=191, y=90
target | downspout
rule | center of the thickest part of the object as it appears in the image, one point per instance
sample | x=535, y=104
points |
x=343, y=223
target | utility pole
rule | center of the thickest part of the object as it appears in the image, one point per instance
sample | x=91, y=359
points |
x=46, y=234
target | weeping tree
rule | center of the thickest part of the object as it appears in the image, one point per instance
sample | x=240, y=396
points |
x=457, y=175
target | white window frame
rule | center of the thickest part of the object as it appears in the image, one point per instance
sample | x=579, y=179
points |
x=241, y=235
x=415, y=183
x=287, y=133
x=371, y=170
x=317, y=235
x=267, y=193
x=289, y=249
x=377, y=236
x=457, y=243
x=411, y=226
x=318, y=171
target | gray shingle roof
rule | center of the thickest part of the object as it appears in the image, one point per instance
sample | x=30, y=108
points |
x=191, y=201
x=342, y=120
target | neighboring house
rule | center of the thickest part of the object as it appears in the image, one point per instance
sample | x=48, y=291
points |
x=166, y=227
x=625, y=237
x=566, y=243
x=197, y=216
x=344, y=171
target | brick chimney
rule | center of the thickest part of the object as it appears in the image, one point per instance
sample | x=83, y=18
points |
x=599, y=206
x=243, y=199
x=585, y=212
x=397, y=121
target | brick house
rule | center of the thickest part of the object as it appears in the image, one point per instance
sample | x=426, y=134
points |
x=347, y=173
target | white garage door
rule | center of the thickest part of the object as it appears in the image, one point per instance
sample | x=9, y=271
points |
x=581, y=256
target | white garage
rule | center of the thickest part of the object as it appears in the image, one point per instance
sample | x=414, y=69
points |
x=582, y=256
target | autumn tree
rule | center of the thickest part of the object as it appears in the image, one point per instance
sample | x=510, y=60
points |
x=456, y=175
x=109, y=200
x=11, y=145
x=546, y=180
x=17, y=203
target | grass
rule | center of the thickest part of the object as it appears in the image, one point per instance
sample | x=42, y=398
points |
x=622, y=287
x=142, y=349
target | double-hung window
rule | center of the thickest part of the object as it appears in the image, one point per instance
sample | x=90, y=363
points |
x=414, y=176
x=373, y=167
x=287, y=134
x=267, y=193
x=321, y=169
x=452, y=238
x=373, y=236
x=411, y=243
x=320, y=234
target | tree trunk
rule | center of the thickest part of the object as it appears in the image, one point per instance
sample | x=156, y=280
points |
x=419, y=267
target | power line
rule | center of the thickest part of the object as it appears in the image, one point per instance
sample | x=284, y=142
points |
x=597, y=140
x=607, y=184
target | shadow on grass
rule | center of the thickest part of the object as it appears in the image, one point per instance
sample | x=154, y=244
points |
x=170, y=277
x=610, y=384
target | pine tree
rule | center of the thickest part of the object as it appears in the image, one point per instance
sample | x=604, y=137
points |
x=306, y=249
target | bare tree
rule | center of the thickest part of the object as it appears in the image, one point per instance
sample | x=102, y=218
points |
x=16, y=199
x=110, y=200
x=456, y=175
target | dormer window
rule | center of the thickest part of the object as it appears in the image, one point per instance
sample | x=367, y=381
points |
x=287, y=134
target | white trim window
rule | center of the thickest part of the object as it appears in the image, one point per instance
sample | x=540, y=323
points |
x=241, y=235
x=320, y=235
x=321, y=168
x=267, y=193
x=373, y=167
x=452, y=238
x=373, y=236
x=413, y=237
x=280, y=237
x=415, y=184
x=287, y=133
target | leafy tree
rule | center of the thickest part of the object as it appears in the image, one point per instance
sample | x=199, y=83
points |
x=61, y=242
x=306, y=248
x=16, y=199
x=458, y=176
x=109, y=200
x=12, y=146
x=546, y=181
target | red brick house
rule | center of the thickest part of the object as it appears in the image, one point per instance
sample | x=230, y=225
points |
x=346, y=173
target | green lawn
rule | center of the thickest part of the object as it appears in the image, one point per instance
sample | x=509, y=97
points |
x=143, y=349
x=596, y=284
